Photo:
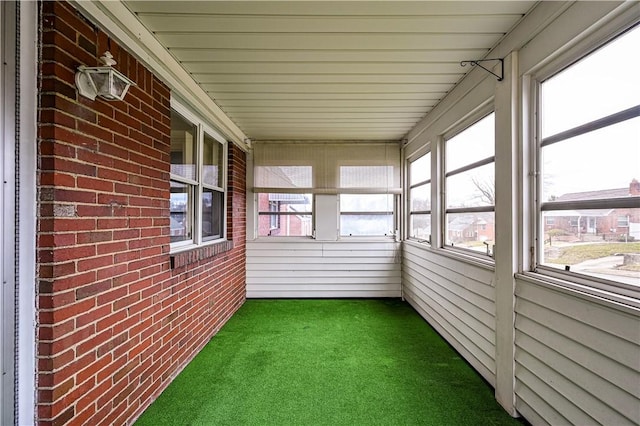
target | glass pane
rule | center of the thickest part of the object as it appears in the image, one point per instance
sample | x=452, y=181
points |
x=421, y=198
x=473, y=144
x=366, y=203
x=212, y=214
x=597, y=165
x=475, y=187
x=420, y=170
x=213, y=162
x=183, y=142
x=366, y=225
x=473, y=231
x=284, y=176
x=298, y=225
x=601, y=243
x=285, y=225
x=420, y=226
x=367, y=177
x=180, y=211
x=601, y=84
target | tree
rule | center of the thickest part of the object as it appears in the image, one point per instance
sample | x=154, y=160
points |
x=487, y=188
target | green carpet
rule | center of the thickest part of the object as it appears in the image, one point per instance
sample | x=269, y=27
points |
x=327, y=362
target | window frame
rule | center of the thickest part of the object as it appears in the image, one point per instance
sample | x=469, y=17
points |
x=198, y=185
x=461, y=127
x=588, y=283
x=412, y=186
x=393, y=213
x=279, y=214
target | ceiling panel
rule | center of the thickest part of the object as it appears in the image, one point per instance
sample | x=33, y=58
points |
x=327, y=70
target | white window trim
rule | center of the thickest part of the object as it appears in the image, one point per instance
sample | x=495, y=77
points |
x=393, y=213
x=411, y=186
x=455, y=130
x=280, y=214
x=592, y=285
x=202, y=128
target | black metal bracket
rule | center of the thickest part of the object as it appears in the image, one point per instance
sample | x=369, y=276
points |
x=478, y=63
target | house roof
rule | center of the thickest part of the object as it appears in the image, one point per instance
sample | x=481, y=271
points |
x=595, y=195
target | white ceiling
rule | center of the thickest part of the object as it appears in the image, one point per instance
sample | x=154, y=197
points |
x=327, y=70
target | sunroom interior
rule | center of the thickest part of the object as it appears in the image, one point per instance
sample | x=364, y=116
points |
x=479, y=160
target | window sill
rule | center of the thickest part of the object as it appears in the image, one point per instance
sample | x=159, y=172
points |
x=196, y=254
x=459, y=255
x=585, y=292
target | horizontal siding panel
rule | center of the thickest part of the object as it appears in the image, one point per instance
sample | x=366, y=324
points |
x=467, y=303
x=576, y=383
x=378, y=267
x=481, y=336
x=301, y=294
x=467, y=274
x=306, y=280
x=608, y=320
x=484, y=365
x=254, y=259
x=448, y=282
x=623, y=377
x=587, y=352
x=457, y=298
x=625, y=351
x=323, y=269
x=543, y=399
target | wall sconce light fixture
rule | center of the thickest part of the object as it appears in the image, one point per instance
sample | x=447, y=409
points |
x=105, y=82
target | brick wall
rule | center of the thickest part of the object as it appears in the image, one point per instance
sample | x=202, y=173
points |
x=118, y=315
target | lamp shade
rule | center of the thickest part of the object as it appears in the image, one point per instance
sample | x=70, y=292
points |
x=104, y=82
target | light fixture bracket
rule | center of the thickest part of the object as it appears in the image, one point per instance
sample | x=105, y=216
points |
x=104, y=82
x=478, y=62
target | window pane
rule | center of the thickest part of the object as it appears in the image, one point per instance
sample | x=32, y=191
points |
x=366, y=225
x=474, y=231
x=183, y=143
x=594, y=242
x=212, y=213
x=420, y=226
x=601, y=84
x=473, y=144
x=284, y=225
x=475, y=187
x=180, y=211
x=595, y=165
x=212, y=152
x=420, y=170
x=421, y=198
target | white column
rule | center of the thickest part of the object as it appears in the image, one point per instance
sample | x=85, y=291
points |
x=506, y=219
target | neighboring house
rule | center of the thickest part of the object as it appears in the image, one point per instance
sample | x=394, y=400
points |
x=284, y=224
x=471, y=227
x=610, y=224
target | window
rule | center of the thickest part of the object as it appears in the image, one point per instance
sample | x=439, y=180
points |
x=284, y=215
x=420, y=198
x=367, y=215
x=353, y=185
x=588, y=155
x=198, y=174
x=470, y=187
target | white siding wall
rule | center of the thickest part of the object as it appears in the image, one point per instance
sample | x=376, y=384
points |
x=457, y=299
x=576, y=357
x=298, y=268
x=577, y=360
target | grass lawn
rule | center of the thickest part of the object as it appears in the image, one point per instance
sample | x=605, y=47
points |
x=579, y=253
